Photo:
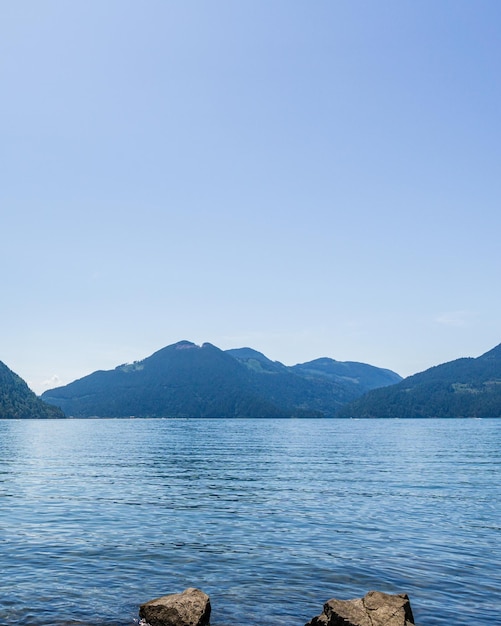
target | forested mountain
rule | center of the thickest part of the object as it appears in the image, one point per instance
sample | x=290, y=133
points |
x=186, y=380
x=364, y=377
x=467, y=387
x=17, y=401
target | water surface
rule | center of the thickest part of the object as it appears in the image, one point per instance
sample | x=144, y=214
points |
x=269, y=517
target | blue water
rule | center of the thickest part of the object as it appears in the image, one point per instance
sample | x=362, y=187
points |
x=271, y=518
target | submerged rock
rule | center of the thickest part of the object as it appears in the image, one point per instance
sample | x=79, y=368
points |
x=189, y=608
x=374, y=609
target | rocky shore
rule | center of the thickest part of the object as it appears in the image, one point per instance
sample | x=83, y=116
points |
x=192, y=608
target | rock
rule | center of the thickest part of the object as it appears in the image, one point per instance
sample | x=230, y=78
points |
x=189, y=608
x=375, y=609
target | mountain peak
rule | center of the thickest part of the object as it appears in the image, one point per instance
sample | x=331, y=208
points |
x=247, y=353
x=184, y=345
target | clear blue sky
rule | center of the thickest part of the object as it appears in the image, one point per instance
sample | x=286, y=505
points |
x=308, y=178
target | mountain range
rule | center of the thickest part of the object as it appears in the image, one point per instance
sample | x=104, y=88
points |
x=17, y=401
x=187, y=380
x=467, y=387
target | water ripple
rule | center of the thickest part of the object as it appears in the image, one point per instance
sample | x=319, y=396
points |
x=270, y=517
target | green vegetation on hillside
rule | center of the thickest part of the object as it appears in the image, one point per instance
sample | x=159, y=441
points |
x=185, y=380
x=463, y=388
x=360, y=376
x=17, y=401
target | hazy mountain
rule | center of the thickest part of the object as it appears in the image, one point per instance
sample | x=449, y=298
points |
x=256, y=360
x=467, y=387
x=186, y=380
x=17, y=401
x=364, y=377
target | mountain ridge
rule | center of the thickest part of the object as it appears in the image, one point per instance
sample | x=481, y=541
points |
x=187, y=380
x=465, y=387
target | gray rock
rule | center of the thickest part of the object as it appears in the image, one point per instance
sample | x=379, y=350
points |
x=374, y=609
x=189, y=608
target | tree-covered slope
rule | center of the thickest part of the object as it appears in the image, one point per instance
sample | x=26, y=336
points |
x=361, y=376
x=182, y=380
x=17, y=401
x=323, y=385
x=310, y=396
x=467, y=387
x=186, y=380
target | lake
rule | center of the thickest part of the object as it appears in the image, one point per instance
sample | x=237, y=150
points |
x=271, y=518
